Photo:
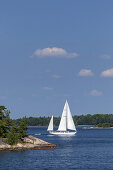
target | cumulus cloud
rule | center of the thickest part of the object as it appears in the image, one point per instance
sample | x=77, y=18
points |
x=105, y=56
x=53, y=53
x=56, y=76
x=107, y=73
x=85, y=72
x=96, y=93
x=47, y=88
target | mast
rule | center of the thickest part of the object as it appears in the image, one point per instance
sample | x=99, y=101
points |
x=66, y=116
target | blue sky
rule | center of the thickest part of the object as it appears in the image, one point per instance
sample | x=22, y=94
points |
x=51, y=51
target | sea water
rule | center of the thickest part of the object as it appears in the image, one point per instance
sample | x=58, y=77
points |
x=88, y=149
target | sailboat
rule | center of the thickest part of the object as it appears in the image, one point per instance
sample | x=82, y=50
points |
x=66, y=126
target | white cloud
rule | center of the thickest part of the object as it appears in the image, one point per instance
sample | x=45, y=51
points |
x=96, y=93
x=107, y=73
x=56, y=76
x=47, y=88
x=53, y=53
x=85, y=72
x=105, y=56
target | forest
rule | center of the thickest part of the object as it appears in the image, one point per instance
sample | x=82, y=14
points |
x=96, y=119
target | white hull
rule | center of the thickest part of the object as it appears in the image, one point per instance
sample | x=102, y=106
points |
x=67, y=133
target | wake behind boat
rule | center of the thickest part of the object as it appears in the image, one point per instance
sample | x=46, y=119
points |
x=66, y=126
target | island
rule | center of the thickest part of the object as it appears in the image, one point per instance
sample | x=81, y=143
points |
x=29, y=143
x=14, y=136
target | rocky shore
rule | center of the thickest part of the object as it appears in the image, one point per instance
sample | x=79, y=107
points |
x=30, y=143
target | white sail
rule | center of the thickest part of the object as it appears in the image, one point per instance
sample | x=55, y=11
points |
x=70, y=122
x=50, y=127
x=63, y=123
x=66, y=123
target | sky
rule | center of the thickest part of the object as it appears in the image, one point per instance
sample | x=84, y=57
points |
x=51, y=51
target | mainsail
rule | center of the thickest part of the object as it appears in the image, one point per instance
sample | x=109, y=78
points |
x=50, y=127
x=62, y=125
x=66, y=121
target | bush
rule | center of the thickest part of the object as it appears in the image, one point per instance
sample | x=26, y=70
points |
x=105, y=125
x=12, y=138
x=22, y=129
x=17, y=133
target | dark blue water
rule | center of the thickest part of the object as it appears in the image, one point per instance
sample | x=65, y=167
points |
x=88, y=149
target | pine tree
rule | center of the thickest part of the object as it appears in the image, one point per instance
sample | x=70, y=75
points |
x=22, y=129
x=5, y=121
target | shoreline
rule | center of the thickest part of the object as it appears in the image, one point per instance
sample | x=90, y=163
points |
x=92, y=126
x=102, y=127
x=30, y=143
x=57, y=126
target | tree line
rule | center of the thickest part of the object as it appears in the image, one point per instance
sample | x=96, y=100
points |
x=78, y=120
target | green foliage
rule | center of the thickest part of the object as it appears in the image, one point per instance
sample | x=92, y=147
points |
x=5, y=121
x=38, y=121
x=9, y=129
x=12, y=138
x=14, y=129
x=79, y=120
x=22, y=129
x=93, y=119
x=105, y=125
x=3, y=129
x=17, y=133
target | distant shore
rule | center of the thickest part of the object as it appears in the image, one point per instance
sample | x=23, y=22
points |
x=102, y=127
x=56, y=126
x=85, y=125
x=93, y=126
